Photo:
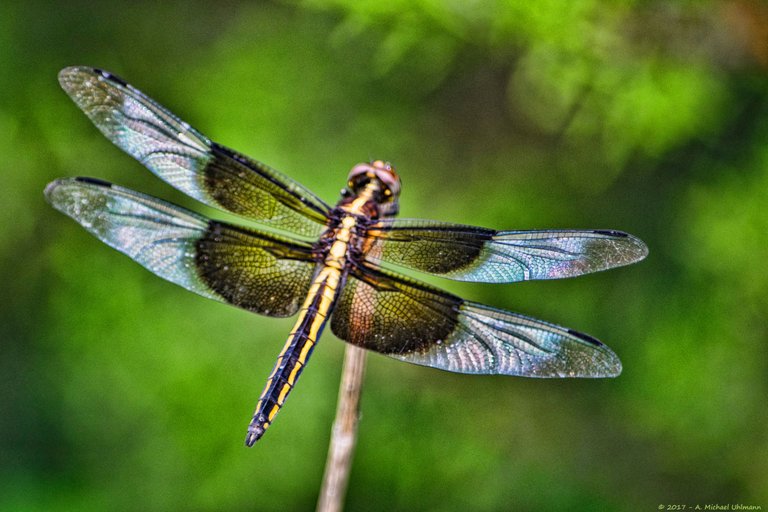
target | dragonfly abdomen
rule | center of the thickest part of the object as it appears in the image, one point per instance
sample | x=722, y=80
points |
x=295, y=354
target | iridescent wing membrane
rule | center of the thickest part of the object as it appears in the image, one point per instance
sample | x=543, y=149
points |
x=270, y=274
x=254, y=270
x=468, y=253
x=417, y=323
x=188, y=160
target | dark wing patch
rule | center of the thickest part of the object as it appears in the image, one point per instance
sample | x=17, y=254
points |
x=392, y=316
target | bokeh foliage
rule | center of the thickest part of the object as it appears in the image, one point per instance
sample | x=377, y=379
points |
x=122, y=392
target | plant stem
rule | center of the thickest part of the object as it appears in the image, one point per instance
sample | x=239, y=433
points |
x=344, y=434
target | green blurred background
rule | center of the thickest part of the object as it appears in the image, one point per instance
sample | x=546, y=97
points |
x=123, y=392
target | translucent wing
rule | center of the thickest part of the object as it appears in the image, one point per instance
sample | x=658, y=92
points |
x=260, y=272
x=417, y=323
x=467, y=253
x=188, y=160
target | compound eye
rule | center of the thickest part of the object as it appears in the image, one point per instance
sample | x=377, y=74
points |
x=390, y=181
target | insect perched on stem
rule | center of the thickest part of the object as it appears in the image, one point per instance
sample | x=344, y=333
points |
x=339, y=264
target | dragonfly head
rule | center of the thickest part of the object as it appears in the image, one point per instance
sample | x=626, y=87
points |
x=385, y=181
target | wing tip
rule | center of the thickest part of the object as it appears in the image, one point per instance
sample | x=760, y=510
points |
x=50, y=188
x=72, y=76
x=604, y=365
x=75, y=70
x=55, y=187
x=610, y=364
x=613, y=367
x=636, y=249
x=640, y=248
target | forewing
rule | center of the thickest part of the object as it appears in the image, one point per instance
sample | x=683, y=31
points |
x=414, y=322
x=256, y=271
x=188, y=160
x=467, y=253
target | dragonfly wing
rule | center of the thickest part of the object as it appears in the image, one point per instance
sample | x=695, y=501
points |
x=187, y=159
x=257, y=271
x=417, y=323
x=467, y=253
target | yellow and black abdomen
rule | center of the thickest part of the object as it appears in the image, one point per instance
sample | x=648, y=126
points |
x=315, y=312
x=291, y=361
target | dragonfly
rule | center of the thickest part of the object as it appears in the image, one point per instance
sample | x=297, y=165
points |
x=340, y=264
